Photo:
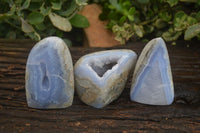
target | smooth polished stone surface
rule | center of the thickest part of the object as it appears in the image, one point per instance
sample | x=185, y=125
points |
x=100, y=77
x=152, y=79
x=49, y=75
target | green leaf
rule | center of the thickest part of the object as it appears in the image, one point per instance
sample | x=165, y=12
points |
x=26, y=4
x=79, y=21
x=159, y=23
x=130, y=17
x=180, y=21
x=180, y=14
x=113, y=15
x=35, y=0
x=192, y=31
x=131, y=11
x=40, y=27
x=123, y=33
x=138, y=30
x=111, y=7
x=172, y=2
x=18, y=2
x=56, y=5
x=111, y=24
x=34, y=6
x=143, y=1
x=10, y=13
x=122, y=20
x=165, y=16
x=198, y=16
x=71, y=8
x=60, y=22
x=171, y=36
x=115, y=4
x=12, y=10
x=35, y=18
x=27, y=28
x=191, y=20
x=126, y=4
x=34, y=35
x=45, y=11
x=4, y=16
x=198, y=2
x=81, y=2
x=149, y=28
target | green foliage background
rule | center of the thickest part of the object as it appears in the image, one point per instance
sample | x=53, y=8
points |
x=128, y=19
x=37, y=19
x=171, y=19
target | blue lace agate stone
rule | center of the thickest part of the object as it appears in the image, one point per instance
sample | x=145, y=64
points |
x=100, y=77
x=152, y=79
x=49, y=75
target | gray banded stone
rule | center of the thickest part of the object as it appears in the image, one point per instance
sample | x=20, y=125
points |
x=49, y=75
x=100, y=77
x=152, y=79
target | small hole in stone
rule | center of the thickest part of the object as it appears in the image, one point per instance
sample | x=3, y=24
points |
x=101, y=70
x=45, y=79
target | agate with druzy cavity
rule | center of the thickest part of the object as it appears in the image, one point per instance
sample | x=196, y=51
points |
x=100, y=77
x=152, y=79
x=49, y=75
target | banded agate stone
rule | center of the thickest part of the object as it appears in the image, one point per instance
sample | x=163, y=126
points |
x=152, y=79
x=100, y=77
x=49, y=75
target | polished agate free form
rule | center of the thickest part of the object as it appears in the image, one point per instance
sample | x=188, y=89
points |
x=152, y=78
x=100, y=77
x=49, y=75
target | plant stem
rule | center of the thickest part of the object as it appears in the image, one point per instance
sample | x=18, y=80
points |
x=149, y=21
x=73, y=13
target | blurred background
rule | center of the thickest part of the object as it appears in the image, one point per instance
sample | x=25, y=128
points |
x=100, y=23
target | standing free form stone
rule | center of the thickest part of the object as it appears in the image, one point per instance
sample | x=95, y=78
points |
x=49, y=75
x=152, y=79
x=100, y=77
